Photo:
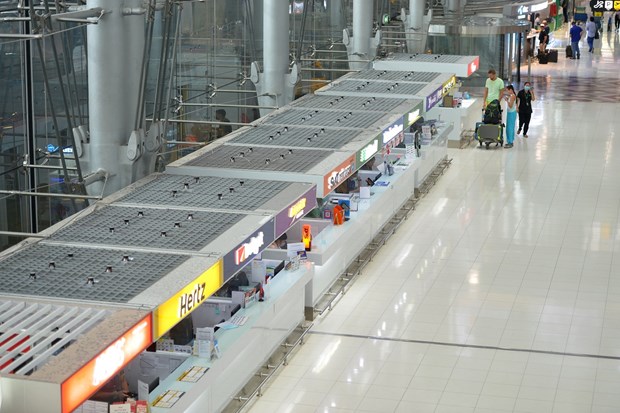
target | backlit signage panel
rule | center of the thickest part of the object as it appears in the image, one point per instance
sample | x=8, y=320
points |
x=294, y=212
x=338, y=175
x=473, y=66
x=394, y=131
x=449, y=84
x=368, y=151
x=243, y=253
x=176, y=308
x=434, y=98
x=86, y=381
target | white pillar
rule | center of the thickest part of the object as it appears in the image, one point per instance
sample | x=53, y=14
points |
x=416, y=26
x=275, y=86
x=115, y=48
x=361, y=47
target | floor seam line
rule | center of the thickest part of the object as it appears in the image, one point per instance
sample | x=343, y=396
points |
x=477, y=346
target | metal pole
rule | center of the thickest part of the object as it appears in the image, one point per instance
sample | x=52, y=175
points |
x=50, y=195
x=230, y=105
x=22, y=234
x=49, y=167
x=30, y=124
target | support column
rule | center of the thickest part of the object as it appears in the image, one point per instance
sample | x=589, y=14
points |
x=115, y=52
x=361, y=47
x=275, y=86
x=416, y=26
x=335, y=16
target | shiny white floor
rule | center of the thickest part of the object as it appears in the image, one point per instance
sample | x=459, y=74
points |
x=500, y=294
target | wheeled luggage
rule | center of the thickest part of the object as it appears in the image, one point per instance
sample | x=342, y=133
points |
x=490, y=133
x=569, y=51
x=543, y=58
x=552, y=55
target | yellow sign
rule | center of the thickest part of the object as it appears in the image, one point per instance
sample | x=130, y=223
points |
x=297, y=208
x=168, y=314
x=449, y=84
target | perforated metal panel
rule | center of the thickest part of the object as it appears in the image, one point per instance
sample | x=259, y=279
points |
x=368, y=88
x=395, y=76
x=62, y=272
x=428, y=58
x=297, y=137
x=204, y=192
x=340, y=119
x=156, y=228
x=41, y=329
x=348, y=103
x=264, y=159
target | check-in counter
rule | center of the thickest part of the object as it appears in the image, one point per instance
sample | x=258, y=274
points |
x=463, y=118
x=335, y=247
x=243, y=350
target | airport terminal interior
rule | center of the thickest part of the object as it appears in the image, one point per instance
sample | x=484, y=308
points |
x=285, y=206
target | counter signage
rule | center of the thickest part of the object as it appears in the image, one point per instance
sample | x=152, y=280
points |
x=367, y=152
x=338, y=175
x=434, y=98
x=449, y=84
x=243, y=253
x=413, y=116
x=85, y=382
x=168, y=314
x=473, y=66
x=294, y=212
x=393, y=131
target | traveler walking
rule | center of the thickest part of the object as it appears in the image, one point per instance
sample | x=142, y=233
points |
x=591, y=32
x=511, y=115
x=525, y=97
x=493, y=88
x=575, y=36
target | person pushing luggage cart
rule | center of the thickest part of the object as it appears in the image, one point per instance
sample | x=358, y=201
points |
x=491, y=130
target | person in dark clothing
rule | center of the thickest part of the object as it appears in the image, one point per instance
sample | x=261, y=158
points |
x=617, y=20
x=224, y=128
x=525, y=97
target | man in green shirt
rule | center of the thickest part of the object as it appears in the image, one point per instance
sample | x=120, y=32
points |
x=493, y=88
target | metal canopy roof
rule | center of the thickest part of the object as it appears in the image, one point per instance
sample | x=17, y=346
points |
x=63, y=272
x=315, y=137
x=461, y=66
x=186, y=191
x=348, y=103
x=397, y=76
x=32, y=333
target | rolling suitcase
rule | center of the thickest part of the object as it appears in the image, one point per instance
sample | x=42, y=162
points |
x=543, y=58
x=569, y=51
x=488, y=134
x=552, y=55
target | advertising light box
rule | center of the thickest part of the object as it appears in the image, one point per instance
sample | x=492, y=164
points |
x=168, y=314
x=368, y=151
x=243, y=253
x=434, y=98
x=394, y=131
x=86, y=381
x=295, y=211
x=338, y=175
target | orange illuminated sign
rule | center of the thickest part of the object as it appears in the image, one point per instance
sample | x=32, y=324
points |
x=338, y=175
x=85, y=382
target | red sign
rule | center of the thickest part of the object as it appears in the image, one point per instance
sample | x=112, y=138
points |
x=473, y=66
x=85, y=382
x=13, y=347
x=338, y=175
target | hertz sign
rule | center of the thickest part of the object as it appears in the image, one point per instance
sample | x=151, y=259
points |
x=179, y=306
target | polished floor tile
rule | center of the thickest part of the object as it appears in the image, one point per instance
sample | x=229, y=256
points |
x=501, y=292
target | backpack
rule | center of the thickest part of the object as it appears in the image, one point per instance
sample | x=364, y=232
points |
x=493, y=113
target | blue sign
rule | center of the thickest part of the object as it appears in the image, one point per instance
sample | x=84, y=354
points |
x=434, y=98
x=52, y=149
